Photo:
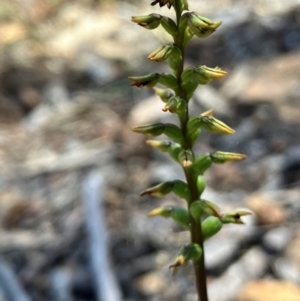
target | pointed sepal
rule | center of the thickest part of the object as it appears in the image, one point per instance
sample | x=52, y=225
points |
x=147, y=81
x=178, y=214
x=151, y=21
x=234, y=217
x=219, y=157
x=188, y=252
x=214, y=125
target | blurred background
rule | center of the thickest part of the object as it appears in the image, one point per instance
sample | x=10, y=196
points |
x=73, y=226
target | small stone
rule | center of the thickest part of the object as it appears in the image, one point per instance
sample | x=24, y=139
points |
x=151, y=283
x=277, y=239
x=267, y=210
x=292, y=251
x=269, y=290
x=284, y=269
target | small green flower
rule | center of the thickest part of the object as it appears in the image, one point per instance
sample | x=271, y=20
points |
x=148, y=81
x=188, y=252
x=151, y=21
x=201, y=26
x=159, y=190
x=210, y=73
x=214, y=125
x=162, y=53
x=178, y=214
x=151, y=130
x=224, y=157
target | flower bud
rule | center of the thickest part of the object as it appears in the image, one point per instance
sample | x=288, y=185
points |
x=186, y=158
x=196, y=210
x=162, y=53
x=210, y=73
x=163, y=94
x=169, y=26
x=162, y=3
x=162, y=145
x=159, y=190
x=201, y=184
x=210, y=226
x=151, y=130
x=148, y=81
x=201, y=26
x=201, y=164
x=175, y=105
x=178, y=214
x=214, y=125
x=173, y=132
x=188, y=252
x=181, y=189
x=168, y=80
x=172, y=148
x=174, y=151
x=234, y=217
x=224, y=157
x=151, y=21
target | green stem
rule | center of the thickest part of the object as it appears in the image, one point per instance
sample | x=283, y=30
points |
x=196, y=231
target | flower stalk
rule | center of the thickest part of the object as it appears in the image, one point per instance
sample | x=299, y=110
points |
x=201, y=217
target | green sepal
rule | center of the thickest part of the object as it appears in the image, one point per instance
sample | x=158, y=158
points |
x=174, y=151
x=183, y=23
x=201, y=26
x=201, y=164
x=188, y=34
x=168, y=80
x=159, y=190
x=214, y=125
x=151, y=21
x=162, y=53
x=175, y=58
x=219, y=157
x=196, y=210
x=147, y=81
x=191, y=251
x=187, y=74
x=178, y=214
x=151, y=130
x=163, y=94
x=169, y=26
x=210, y=208
x=201, y=184
x=193, y=129
x=211, y=226
x=181, y=189
x=190, y=81
x=171, y=147
x=194, y=136
x=173, y=132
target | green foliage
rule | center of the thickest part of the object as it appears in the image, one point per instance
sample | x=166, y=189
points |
x=202, y=218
